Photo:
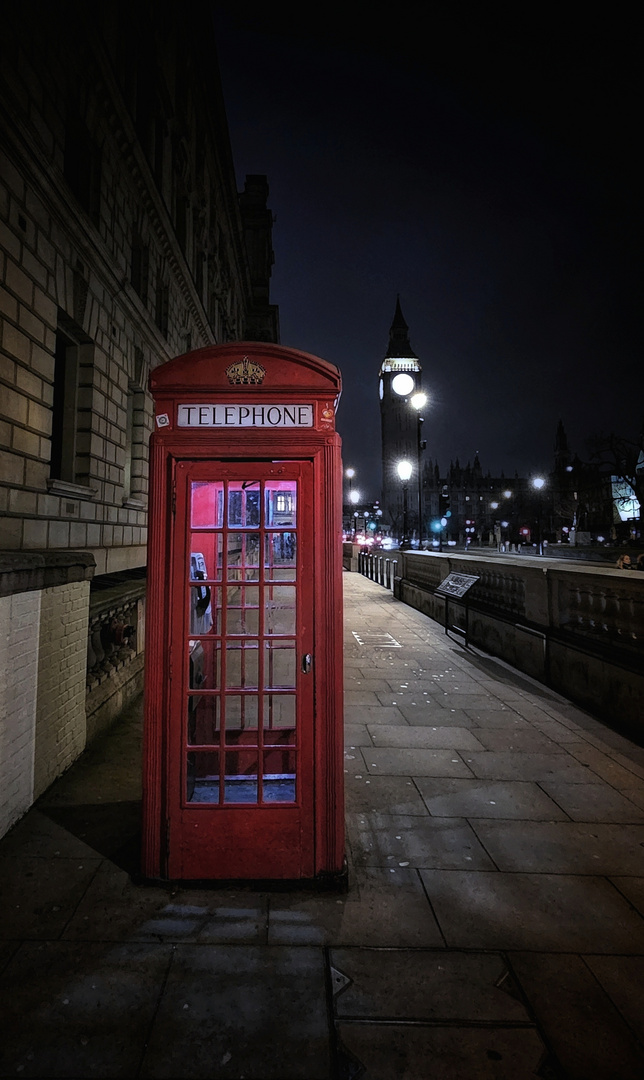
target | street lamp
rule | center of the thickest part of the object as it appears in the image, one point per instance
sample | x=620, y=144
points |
x=354, y=499
x=405, y=469
x=418, y=402
x=350, y=473
x=538, y=484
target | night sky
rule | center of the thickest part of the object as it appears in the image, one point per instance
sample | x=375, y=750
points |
x=483, y=167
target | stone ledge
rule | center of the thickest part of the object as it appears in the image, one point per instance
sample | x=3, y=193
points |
x=26, y=571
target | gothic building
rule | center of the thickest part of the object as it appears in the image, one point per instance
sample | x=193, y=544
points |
x=123, y=242
x=400, y=388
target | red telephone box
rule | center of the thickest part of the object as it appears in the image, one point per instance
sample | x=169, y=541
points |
x=243, y=771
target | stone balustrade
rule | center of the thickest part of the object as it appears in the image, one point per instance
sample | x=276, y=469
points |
x=115, y=646
x=576, y=627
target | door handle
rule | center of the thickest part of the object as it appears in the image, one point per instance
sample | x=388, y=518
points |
x=307, y=660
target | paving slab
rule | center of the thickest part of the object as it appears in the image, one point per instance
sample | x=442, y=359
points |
x=37, y=836
x=565, y=847
x=636, y=796
x=497, y=718
x=515, y=765
x=361, y=697
x=436, y=716
x=517, y=739
x=114, y=908
x=541, y=912
x=399, y=984
x=241, y=1011
x=477, y=703
x=79, y=1009
x=368, y=714
x=426, y=737
x=581, y=1024
x=622, y=978
x=521, y=800
x=555, y=731
x=365, y=682
x=604, y=766
x=593, y=802
x=398, y=794
x=39, y=896
x=394, y=1052
x=415, y=762
x=370, y=914
x=357, y=734
x=393, y=840
x=633, y=889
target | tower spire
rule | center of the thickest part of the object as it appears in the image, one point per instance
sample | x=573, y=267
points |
x=399, y=345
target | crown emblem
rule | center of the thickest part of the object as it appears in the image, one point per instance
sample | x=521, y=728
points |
x=245, y=373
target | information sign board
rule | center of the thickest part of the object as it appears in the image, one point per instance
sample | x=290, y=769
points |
x=457, y=584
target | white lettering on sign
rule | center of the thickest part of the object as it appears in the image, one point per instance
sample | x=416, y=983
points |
x=245, y=416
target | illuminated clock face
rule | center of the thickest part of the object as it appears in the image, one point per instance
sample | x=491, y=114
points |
x=381, y=389
x=402, y=384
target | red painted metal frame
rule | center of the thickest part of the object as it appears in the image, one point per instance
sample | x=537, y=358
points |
x=290, y=377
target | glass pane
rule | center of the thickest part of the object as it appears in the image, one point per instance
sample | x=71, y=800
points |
x=281, y=503
x=242, y=664
x=280, y=609
x=207, y=504
x=279, y=664
x=279, y=719
x=243, y=504
x=241, y=777
x=242, y=610
x=204, y=719
x=242, y=561
x=204, y=658
x=280, y=555
x=206, y=556
x=279, y=776
x=202, y=777
x=205, y=610
x=241, y=719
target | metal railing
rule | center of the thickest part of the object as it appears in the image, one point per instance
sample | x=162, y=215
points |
x=378, y=568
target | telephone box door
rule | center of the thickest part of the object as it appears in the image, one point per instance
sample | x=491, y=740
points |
x=240, y=747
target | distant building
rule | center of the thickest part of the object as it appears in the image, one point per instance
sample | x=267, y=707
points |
x=123, y=242
x=468, y=507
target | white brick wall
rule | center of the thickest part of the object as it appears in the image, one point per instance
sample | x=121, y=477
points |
x=60, y=712
x=19, y=647
x=43, y=650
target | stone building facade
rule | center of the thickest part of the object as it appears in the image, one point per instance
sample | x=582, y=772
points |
x=123, y=242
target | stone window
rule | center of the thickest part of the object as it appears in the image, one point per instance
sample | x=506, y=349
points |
x=162, y=304
x=135, y=468
x=140, y=266
x=82, y=167
x=71, y=426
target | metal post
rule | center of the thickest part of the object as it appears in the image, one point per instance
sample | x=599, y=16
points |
x=420, y=487
x=404, y=528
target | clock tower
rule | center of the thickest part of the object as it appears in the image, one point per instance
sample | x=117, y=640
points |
x=400, y=382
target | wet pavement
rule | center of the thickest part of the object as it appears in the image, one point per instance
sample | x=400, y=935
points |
x=493, y=926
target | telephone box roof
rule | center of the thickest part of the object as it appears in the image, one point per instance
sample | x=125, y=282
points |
x=224, y=367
